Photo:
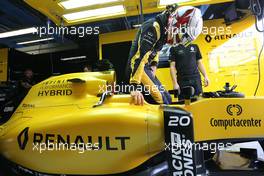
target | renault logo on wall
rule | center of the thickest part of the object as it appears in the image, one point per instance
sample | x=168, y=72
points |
x=234, y=109
x=208, y=38
x=22, y=139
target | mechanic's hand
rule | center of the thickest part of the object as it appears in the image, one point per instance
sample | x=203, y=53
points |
x=206, y=81
x=176, y=87
x=153, y=71
x=137, y=98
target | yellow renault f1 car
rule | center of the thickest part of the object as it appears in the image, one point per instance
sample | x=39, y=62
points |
x=70, y=125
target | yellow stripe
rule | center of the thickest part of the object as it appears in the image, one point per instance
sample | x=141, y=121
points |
x=140, y=70
x=156, y=58
x=133, y=60
x=157, y=28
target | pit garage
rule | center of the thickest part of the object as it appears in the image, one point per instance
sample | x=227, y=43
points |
x=131, y=87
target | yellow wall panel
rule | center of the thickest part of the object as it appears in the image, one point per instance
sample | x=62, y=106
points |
x=232, y=57
x=229, y=57
x=115, y=37
x=3, y=64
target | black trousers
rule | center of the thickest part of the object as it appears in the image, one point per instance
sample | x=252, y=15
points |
x=195, y=82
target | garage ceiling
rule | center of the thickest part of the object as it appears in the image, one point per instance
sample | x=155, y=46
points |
x=17, y=14
x=55, y=10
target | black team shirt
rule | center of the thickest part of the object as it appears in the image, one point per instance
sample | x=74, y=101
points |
x=186, y=61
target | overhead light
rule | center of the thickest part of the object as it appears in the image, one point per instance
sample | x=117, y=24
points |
x=72, y=4
x=168, y=2
x=107, y=11
x=35, y=41
x=73, y=58
x=18, y=32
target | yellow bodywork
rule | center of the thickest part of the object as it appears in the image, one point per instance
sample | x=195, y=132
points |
x=66, y=110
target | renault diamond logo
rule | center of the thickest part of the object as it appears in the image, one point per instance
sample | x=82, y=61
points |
x=22, y=139
x=208, y=38
x=234, y=109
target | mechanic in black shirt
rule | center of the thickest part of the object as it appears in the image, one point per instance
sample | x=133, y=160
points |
x=185, y=64
x=25, y=85
x=27, y=82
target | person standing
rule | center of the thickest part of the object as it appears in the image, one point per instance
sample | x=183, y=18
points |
x=185, y=68
x=151, y=37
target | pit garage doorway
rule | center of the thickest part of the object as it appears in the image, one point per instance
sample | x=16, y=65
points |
x=117, y=54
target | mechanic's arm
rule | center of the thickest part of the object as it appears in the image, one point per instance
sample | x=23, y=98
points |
x=202, y=70
x=173, y=73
